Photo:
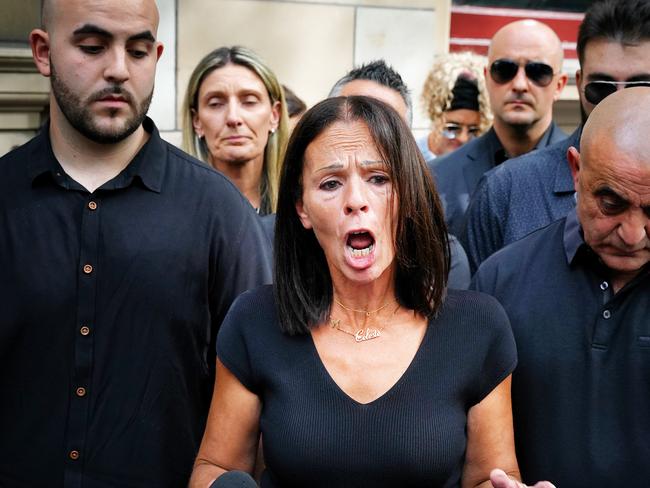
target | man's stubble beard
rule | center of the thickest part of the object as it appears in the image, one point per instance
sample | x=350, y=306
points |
x=80, y=117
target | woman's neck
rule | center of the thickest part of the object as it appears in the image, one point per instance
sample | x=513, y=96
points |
x=361, y=305
x=246, y=176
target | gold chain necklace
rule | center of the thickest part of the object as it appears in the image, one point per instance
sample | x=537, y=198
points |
x=365, y=333
x=367, y=312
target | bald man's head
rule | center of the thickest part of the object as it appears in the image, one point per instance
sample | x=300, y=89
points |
x=100, y=56
x=612, y=179
x=537, y=34
x=620, y=121
x=523, y=79
x=52, y=9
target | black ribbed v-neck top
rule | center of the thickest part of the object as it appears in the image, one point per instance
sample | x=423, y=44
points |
x=413, y=435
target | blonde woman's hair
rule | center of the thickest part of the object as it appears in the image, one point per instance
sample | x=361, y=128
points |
x=276, y=144
x=437, y=92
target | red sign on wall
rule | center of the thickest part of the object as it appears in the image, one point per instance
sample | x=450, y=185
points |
x=473, y=27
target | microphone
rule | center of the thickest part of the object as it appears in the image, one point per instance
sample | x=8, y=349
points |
x=234, y=479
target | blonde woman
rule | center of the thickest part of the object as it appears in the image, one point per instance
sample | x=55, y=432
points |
x=456, y=102
x=235, y=119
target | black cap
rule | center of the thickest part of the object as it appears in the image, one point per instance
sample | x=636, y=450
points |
x=465, y=95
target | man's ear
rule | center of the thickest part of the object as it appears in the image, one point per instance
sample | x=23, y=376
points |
x=573, y=156
x=159, y=50
x=39, y=41
x=559, y=85
x=302, y=215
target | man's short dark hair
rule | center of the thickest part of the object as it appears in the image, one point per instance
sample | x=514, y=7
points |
x=382, y=74
x=303, y=285
x=295, y=106
x=624, y=21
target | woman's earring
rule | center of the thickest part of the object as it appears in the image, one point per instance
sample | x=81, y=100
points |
x=272, y=131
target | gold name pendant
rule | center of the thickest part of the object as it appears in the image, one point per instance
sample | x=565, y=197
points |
x=366, y=335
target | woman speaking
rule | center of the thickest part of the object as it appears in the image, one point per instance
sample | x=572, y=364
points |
x=357, y=367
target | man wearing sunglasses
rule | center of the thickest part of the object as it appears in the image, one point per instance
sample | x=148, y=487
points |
x=523, y=80
x=577, y=293
x=527, y=193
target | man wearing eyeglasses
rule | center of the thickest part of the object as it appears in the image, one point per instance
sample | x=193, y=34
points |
x=523, y=81
x=527, y=193
x=577, y=293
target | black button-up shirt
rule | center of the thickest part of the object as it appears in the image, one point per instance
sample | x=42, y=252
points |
x=581, y=390
x=458, y=173
x=110, y=304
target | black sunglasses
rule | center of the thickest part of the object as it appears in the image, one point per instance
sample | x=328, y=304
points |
x=504, y=70
x=597, y=91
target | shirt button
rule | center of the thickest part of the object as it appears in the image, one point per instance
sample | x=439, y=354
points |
x=604, y=285
x=81, y=391
x=92, y=205
x=84, y=331
x=88, y=269
x=607, y=314
x=74, y=455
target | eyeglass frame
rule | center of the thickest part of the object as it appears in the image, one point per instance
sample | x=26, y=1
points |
x=526, y=66
x=473, y=131
x=617, y=84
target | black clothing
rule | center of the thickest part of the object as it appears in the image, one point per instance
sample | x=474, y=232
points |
x=413, y=435
x=581, y=391
x=268, y=224
x=518, y=197
x=111, y=302
x=458, y=173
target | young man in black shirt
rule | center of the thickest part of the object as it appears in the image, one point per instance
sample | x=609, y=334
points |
x=120, y=257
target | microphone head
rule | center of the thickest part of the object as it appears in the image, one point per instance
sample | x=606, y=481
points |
x=234, y=479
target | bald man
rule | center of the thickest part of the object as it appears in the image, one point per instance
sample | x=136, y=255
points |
x=578, y=296
x=120, y=257
x=523, y=79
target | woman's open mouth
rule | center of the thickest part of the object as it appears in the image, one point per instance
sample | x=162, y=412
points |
x=360, y=243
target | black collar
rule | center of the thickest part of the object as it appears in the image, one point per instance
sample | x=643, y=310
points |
x=147, y=166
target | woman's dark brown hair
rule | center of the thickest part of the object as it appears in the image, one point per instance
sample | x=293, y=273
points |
x=303, y=285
